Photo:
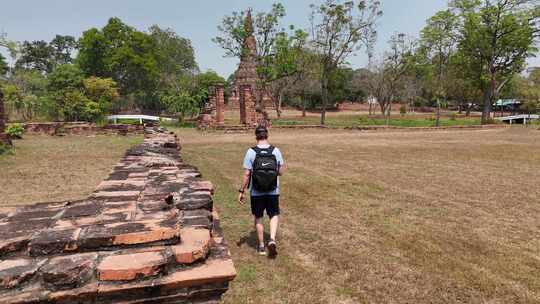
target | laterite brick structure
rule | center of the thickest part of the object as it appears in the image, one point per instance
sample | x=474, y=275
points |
x=214, y=113
x=148, y=234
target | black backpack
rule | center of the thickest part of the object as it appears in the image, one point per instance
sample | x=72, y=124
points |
x=265, y=170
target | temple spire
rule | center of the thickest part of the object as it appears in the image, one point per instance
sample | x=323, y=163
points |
x=248, y=23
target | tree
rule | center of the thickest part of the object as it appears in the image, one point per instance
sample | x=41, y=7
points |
x=338, y=29
x=266, y=30
x=438, y=42
x=23, y=91
x=36, y=55
x=62, y=82
x=103, y=92
x=497, y=36
x=175, y=56
x=63, y=48
x=4, y=68
x=282, y=68
x=385, y=81
x=126, y=55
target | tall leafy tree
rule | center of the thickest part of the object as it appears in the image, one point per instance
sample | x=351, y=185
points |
x=36, y=55
x=126, y=55
x=63, y=48
x=497, y=36
x=338, y=29
x=175, y=56
x=438, y=43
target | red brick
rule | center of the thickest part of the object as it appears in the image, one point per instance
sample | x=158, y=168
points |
x=195, y=245
x=212, y=271
x=69, y=271
x=202, y=186
x=128, y=267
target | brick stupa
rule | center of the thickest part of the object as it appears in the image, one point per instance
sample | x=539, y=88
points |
x=246, y=74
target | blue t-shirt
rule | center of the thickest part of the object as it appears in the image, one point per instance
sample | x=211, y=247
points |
x=248, y=165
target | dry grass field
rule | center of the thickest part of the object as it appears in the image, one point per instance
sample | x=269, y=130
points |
x=46, y=168
x=388, y=217
x=397, y=217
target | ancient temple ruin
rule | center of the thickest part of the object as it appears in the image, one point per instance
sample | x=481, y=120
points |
x=148, y=234
x=245, y=90
x=4, y=139
x=213, y=114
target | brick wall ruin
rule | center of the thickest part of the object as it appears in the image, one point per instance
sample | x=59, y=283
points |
x=148, y=234
x=3, y=136
x=213, y=114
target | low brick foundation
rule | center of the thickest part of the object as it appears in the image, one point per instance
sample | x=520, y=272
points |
x=76, y=128
x=148, y=234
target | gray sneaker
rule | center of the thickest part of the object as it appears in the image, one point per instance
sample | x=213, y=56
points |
x=272, y=249
x=261, y=250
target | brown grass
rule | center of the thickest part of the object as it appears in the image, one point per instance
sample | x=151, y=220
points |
x=45, y=168
x=442, y=217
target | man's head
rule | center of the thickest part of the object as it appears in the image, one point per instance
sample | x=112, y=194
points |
x=261, y=133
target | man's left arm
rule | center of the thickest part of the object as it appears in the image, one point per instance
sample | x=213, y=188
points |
x=281, y=162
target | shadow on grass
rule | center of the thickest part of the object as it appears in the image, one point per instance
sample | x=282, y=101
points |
x=251, y=239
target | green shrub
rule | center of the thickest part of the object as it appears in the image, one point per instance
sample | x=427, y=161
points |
x=403, y=109
x=15, y=131
x=4, y=149
x=453, y=116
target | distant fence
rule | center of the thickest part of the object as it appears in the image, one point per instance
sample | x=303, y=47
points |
x=523, y=118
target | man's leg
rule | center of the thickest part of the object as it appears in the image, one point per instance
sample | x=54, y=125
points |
x=273, y=213
x=257, y=209
x=274, y=222
x=259, y=227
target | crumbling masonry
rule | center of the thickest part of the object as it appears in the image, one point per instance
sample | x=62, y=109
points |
x=148, y=234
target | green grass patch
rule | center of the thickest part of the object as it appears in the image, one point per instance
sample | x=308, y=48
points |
x=341, y=121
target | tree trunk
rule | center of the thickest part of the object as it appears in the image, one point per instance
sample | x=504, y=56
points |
x=303, y=96
x=324, y=96
x=488, y=98
x=388, y=112
x=438, y=115
x=278, y=108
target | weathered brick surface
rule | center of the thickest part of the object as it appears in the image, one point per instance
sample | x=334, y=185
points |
x=146, y=235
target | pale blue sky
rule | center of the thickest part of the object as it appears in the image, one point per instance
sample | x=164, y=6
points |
x=196, y=20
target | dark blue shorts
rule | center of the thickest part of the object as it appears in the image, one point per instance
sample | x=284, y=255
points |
x=270, y=203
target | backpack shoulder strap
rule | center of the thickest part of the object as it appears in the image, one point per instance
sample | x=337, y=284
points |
x=256, y=149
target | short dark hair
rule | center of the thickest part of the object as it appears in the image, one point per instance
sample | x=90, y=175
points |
x=261, y=133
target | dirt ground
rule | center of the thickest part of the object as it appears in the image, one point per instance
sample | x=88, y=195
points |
x=47, y=168
x=397, y=217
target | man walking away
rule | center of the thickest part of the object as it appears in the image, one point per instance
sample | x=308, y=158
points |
x=263, y=165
